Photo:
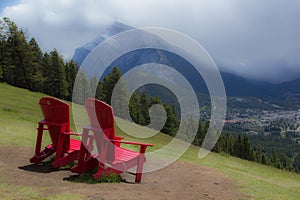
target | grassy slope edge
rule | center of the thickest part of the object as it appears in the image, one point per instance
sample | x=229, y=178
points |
x=19, y=114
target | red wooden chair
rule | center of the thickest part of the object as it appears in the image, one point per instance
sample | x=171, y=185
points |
x=57, y=122
x=111, y=157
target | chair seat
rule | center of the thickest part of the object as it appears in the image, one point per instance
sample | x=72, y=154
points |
x=125, y=159
x=124, y=155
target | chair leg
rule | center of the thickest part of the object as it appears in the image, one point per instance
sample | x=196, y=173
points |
x=99, y=173
x=85, y=161
x=140, y=163
x=81, y=159
x=41, y=155
x=65, y=160
x=139, y=170
x=39, y=139
x=59, y=149
x=102, y=171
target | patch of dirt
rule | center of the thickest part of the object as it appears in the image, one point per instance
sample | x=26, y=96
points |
x=181, y=180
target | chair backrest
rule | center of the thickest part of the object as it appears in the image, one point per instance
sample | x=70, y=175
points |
x=101, y=116
x=56, y=112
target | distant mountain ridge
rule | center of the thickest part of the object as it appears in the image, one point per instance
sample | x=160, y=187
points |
x=235, y=85
x=83, y=51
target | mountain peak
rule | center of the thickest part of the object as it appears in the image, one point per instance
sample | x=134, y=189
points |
x=81, y=52
x=117, y=27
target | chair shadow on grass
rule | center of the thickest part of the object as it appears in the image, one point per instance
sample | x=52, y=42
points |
x=44, y=167
x=39, y=167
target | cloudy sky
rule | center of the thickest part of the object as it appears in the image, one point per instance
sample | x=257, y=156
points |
x=257, y=39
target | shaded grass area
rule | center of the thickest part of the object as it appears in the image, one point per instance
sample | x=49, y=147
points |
x=20, y=112
x=88, y=178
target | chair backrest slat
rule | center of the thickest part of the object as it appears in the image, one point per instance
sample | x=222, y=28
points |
x=100, y=115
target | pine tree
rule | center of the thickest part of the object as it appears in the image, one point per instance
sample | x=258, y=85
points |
x=220, y=145
x=177, y=121
x=7, y=70
x=134, y=108
x=144, y=105
x=94, y=82
x=37, y=78
x=56, y=83
x=170, y=127
x=157, y=114
x=1, y=70
x=229, y=144
x=264, y=160
x=247, y=151
x=71, y=72
x=121, y=94
x=199, y=135
x=258, y=155
x=82, y=91
x=46, y=66
x=238, y=147
x=99, y=91
x=286, y=162
x=2, y=48
x=20, y=68
x=109, y=83
x=106, y=89
x=206, y=127
x=2, y=63
x=188, y=127
x=274, y=161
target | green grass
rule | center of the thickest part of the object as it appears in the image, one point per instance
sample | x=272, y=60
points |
x=88, y=178
x=19, y=191
x=27, y=193
x=19, y=116
x=20, y=112
x=257, y=181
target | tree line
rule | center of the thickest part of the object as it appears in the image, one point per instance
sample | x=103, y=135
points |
x=240, y=146
x=139, y=103
x=23, y=64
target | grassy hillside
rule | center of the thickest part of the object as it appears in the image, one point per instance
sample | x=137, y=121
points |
x=19, y=114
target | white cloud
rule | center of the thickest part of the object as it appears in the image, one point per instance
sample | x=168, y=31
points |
x=245, y=37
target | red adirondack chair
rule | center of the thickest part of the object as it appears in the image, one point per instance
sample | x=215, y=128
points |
x=111, y=157
x=57, y=123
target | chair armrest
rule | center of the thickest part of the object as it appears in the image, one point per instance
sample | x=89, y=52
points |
x=143, y=146
x=118, y=138
x=133, y=143
x=43, y=122
x=72, y=133
x=91, y=128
